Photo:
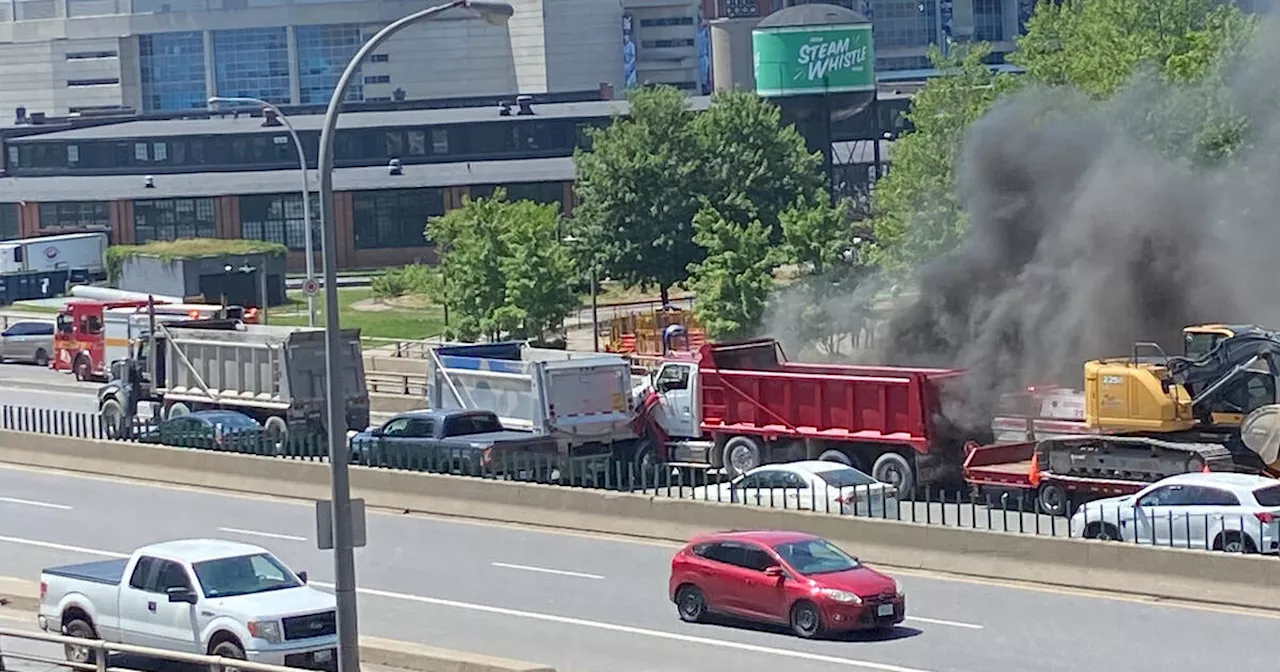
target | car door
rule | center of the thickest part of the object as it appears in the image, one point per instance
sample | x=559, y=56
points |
x=791, y=491
x=728, y=577
x=16, y=342
x=391, y=442
x=1153, y=514
x=1207, y=512
x=754, y=489
x=173, y=624
x=136, y=597
x=674, y=386
x=762, y=596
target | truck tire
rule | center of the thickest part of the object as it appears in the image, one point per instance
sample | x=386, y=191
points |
x=82, y=368
x=895, y=470
x=1053, y=499
x=741, y=454
x=176, y=410
x=836, y=456
x=227, y=649
x=276, y=433
x=80, y=629
x=113, y=420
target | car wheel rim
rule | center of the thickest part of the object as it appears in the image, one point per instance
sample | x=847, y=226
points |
x=1233, y=546
x=78, y=654
x=1052, y=499
x=741, y=459
x=692, y=605
x=806, y=619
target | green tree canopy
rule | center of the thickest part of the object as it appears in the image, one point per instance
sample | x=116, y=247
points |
x=503, y=270
x=734, y=280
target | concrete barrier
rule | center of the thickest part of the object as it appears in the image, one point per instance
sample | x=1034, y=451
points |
x=1250, y=581
x=380, y=402
x=21, y=596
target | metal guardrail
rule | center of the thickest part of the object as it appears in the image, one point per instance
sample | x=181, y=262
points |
x=949, y=507
x=102, y=651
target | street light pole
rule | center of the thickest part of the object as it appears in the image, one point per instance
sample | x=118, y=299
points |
x=343, y=551
x=306, y=192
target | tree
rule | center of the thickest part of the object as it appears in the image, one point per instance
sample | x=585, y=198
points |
x=734, y=280
x=638, y=187
x=647, y=174
x=915, y=208
x=503, y=271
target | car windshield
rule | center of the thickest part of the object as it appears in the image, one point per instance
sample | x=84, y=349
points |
x=844, y=478
x=243, y=575
x=815, y=556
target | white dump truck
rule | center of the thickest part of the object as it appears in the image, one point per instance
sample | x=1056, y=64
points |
x=274, y=374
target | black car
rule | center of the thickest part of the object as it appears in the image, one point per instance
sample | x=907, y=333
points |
x=210, y=430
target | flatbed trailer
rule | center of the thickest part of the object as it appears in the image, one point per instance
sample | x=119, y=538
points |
x=1011, y=468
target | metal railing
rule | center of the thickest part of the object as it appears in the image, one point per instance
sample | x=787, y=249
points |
x=101, y=652
x=1010, y=512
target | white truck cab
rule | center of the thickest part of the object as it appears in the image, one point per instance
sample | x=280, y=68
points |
x=200, y=596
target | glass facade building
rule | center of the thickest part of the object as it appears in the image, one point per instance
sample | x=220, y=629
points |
x=252, y=63
x=323, y=53
x=172, y=71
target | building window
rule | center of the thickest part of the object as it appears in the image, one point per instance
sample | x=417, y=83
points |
x=323, y=53
x=74, y=217
x=90, y=55
x=172, y=68
x=667, y=21
x=377, y=79
x=278, y=218
x=988, y=20
x=904, y=23
x=667, y=44
x=380, y=58
x=101, y=81
x=394, y=217
x=252, y=63
x=10, y=226
x=173, y=218
x=538, y=192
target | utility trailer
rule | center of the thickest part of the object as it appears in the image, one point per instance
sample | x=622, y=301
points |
x=1012, y=468
x=735, y=406
x=583, y=400
x=275, y=374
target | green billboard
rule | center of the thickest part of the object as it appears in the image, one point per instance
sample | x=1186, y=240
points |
x=817, y=59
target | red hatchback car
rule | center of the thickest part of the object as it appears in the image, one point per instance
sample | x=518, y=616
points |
x=790, y=578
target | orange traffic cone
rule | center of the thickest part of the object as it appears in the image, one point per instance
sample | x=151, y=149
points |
x=1205, y=469
x=1035, y=470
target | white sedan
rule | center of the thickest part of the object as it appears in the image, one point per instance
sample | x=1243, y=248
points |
x=811, y=485
x=1223, y=511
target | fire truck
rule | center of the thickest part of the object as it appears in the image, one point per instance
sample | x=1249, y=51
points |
x=91, y=334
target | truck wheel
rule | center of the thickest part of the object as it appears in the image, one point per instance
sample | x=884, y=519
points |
x=113, y=421
x=80, y=629
x=82, y=368
x=1053, y=499
x=895, y=470
x=277, y=434
x=835, y=456
x=42, y=357
x=226, y=649
x=741, y=454
x=176, y=410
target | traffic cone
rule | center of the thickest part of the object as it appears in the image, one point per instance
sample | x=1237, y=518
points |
x=1205, y=469
x=1035, y=469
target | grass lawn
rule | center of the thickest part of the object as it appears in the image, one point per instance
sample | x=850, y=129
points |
x=407, y=318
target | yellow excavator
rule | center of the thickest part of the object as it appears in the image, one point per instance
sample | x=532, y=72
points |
x=1212, y=407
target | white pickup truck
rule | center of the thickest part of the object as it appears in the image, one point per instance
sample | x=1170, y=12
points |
x=199, y=596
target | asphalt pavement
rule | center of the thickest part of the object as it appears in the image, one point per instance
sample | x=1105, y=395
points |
x=593, y=604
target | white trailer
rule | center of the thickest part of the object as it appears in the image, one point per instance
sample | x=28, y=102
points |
x=84, y=252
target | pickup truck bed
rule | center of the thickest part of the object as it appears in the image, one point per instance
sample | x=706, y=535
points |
x=109, y=572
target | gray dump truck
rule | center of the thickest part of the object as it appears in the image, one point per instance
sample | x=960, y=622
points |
x=274, y=374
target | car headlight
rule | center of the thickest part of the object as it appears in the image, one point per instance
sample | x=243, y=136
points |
x=265, y=630
x=843, y=596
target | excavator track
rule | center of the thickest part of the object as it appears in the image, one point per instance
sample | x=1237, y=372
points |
x=1130, y=458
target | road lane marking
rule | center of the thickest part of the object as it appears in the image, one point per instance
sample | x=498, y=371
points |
x=63, y=547
x=544, y=570
x=939, y=621
x=32, y=502
x=252, y=533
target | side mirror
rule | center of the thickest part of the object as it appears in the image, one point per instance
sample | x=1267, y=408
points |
x=774, y=571
x=302, y=576
x=376, y=431
x=181, y=594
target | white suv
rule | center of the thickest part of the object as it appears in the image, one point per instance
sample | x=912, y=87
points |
x=1236, y=513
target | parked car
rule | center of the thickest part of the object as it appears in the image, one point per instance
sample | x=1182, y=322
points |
x=469, y=442
x=27, y=341
x=201, y=596
x=211, y=430
x=813, y=485
x=1237, y=513
x=789, y=578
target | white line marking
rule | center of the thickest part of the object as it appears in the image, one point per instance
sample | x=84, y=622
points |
x=63, y=547
x=252, y=533
x=938, y=621
x=544, y=570
x=645, y=632
x=31, y=502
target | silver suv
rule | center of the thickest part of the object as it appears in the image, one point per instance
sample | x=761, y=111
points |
x=27, y=341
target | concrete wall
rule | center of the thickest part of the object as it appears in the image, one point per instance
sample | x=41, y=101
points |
x=1122, y=568
x=182, y=277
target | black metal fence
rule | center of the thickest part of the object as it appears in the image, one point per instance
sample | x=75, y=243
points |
x=1246, y=531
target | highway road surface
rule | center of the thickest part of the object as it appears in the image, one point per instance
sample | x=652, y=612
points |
x=593, y=604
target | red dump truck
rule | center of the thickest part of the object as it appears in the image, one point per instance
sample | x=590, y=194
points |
x=736, y=406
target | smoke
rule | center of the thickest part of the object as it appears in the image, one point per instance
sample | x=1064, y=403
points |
x=1089, y=230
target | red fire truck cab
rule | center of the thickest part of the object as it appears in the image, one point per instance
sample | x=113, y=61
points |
x=92, y=334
